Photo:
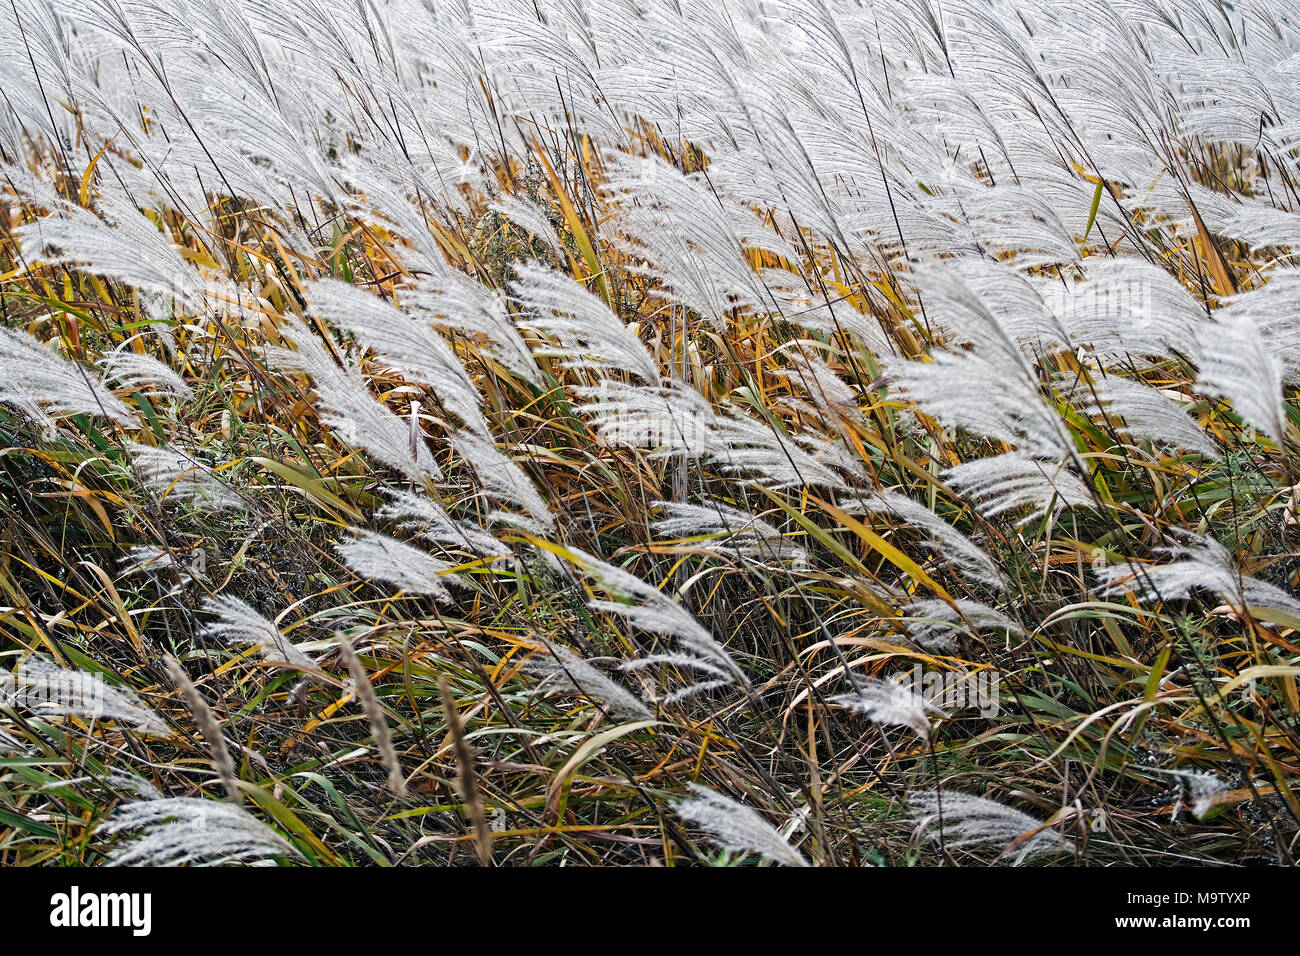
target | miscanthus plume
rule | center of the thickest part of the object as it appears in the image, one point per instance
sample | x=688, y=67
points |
x=48, y=690
x=736, y=827
x=180, y=831
x=964, y=821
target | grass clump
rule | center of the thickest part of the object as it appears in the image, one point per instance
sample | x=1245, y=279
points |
x=571, y=434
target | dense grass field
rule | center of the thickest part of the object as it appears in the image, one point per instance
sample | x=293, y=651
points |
x=649, y=432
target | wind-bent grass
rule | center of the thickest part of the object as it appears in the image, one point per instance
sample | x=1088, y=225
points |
x=539, y=433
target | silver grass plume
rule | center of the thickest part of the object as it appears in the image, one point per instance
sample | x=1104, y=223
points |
x=990, y=390
x=191, y=831
x=743, y=445
x=528, y=216
x=985, y=396
x=729, y=530
x=669, y=420
x=504, y=481
x=590, y=335
x=933, y=623
x=146, y=558
x=687, y=236
x=128, y=782
x=48, y=690
x=36, y=381
x=238, y=623
x=1200, y=787
x=403, y=341
x=711, y=676
x=794, y=300
x=653, y=611
x=889, y=701
x=1237, y=363
x=1202, y=563
x=172, y=473
x=736, y=827
x=1125, y=306
x=457, y=303
x=1012, y=482
x=1274, y=308
x=832, y=397
x=427, y=519
x=961, y=821
x=144, y=374
x=1262, y=225
x=381, y=558
x=348, y=407
x=128, y=248
x=1147, y=413
x=163, y=565
x=950, y=545
x=560, y=667
x=991, y=303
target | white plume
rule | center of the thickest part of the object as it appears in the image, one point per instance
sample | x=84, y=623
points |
x=181, y=831
x=961, y=820
x=238, y=623
x=381, y=558
x=48, y=690
x=889, y=701
x=736, y=827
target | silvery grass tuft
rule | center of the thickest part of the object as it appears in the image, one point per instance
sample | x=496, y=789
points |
x=961, y=821
x=933, y=623
x=381, y=558
x=143, y=373
x=736, y=827
x=47, y=690
x=174, y=474
x=40, y=384
x=1202, y=788
x=238, y=623
x=560, y=667
x=1202, y=563
x=890, y=701
x=191, y=831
